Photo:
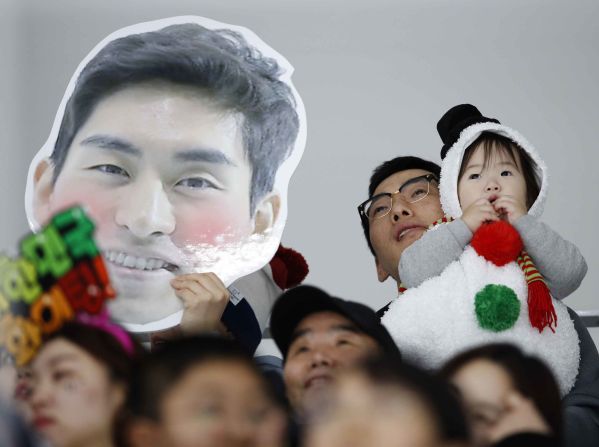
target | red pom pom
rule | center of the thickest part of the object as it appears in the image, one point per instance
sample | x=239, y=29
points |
x=498, y=242
x=289, y=268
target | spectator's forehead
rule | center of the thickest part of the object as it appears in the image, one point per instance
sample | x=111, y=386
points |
x=396, y=180
x=324, y=323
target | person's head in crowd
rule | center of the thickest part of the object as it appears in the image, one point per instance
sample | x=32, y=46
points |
x=384, y=402
x=78, y=384
x=202, y=391
x=172, y=139
x=403, y=200
x=490, y=172
x=505, y=391
x=319, y=335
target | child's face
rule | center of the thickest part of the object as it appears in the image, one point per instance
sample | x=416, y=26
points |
x=500, y=178
x=219, y=403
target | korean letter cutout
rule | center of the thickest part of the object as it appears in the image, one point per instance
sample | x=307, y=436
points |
x=60, y=272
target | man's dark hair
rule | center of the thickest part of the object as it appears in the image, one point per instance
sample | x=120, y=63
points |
x=233, y=74
x=436, y=394
x=389, y=168
x=158, y=372
x=529, y=375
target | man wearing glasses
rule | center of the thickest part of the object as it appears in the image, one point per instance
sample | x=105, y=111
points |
x=404, y=201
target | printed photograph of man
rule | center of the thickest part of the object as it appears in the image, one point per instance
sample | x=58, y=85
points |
x=179, y=141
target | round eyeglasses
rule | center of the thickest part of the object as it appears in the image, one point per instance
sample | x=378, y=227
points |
x=411, y=191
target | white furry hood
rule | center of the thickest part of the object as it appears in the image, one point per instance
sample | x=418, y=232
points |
x=450, y=166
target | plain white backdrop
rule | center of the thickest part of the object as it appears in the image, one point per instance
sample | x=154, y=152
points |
x=375, y=77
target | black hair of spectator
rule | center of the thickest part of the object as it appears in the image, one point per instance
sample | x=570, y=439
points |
x=529, y=375
x=440, y=398
x=234, y=76
x=386, y=170
x=102, y=346
x=158, y=372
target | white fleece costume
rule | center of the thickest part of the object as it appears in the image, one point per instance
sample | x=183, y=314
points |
x=436, y=319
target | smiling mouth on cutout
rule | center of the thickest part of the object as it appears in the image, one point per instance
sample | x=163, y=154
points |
x=129, y=261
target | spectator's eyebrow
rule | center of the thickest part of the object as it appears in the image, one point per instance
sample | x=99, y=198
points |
x=203, y=155
x=112, y=143
x=343, y=327
x=298, y=334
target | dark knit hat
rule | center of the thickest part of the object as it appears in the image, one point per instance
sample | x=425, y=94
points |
x=297, y=303
x=455, y=120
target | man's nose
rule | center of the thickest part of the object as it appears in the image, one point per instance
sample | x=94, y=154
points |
x=320, y=357
x=146, y=210
x=400, y=208
x=241, y=431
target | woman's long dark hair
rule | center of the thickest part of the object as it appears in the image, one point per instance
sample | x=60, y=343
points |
x=529, y=375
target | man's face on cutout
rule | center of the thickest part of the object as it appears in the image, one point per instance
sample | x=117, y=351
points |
x=393, y=233
x=162, y=172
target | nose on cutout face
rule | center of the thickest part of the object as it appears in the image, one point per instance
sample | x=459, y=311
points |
x=146, y=210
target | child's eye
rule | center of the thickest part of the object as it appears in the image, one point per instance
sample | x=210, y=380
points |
x=474, y=176
x=110, y=169
x=506, y=173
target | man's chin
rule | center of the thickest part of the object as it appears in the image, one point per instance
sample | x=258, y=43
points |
x=143, y=306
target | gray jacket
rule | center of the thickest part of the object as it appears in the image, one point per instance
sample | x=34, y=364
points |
x=559, y=261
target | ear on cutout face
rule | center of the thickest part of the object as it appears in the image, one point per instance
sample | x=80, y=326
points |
x=42, y=190
x=267, y=212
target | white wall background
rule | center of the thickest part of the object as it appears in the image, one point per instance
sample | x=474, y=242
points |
x=375, y=76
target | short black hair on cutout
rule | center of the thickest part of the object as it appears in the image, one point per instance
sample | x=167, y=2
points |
x=389, y=168
x=233, y=74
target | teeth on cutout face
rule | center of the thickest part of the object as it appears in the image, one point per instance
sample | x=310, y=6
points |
x=137, y=263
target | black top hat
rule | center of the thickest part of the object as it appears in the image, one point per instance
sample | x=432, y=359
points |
x=297, y=303
x=455, y=120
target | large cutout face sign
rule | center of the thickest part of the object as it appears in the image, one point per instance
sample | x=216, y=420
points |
x=179, y=138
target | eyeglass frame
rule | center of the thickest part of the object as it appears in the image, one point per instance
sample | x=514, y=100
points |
x=361, y=207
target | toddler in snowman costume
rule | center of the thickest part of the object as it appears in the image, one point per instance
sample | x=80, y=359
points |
x=490, y=271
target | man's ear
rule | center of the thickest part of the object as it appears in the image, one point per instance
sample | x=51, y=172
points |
x=267, y=212
x=42, y=190
x=380, y=271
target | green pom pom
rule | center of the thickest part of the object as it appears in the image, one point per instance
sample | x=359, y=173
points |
x=497, y=307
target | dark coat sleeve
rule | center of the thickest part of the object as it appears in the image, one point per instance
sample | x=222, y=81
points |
x=581, y=404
